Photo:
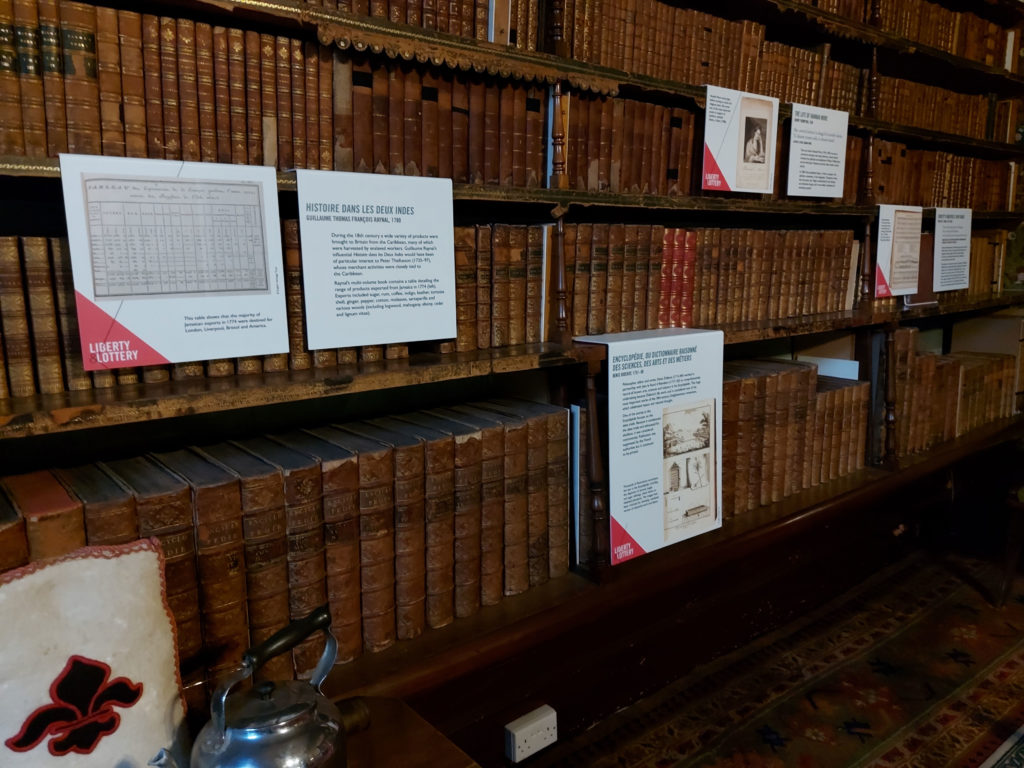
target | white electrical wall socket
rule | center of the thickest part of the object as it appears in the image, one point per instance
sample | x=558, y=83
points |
x=530, y=733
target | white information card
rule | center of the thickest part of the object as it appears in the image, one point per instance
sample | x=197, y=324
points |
x=739, y=141
x=898, y=255
x=173, y=261
x=378, y=258
x=952, y=249
x=817, y=152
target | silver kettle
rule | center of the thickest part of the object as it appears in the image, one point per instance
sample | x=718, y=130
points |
x=273, y=724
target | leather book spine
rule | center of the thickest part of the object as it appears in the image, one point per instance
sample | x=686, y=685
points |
x=380, y=118
x=534, y=282
x=169, y=90
x=296, y=62
x=445, y=126
x=311, y=84
x=506, y=138
x=730, y=434
x=4, y=392
x=377, y=547
x=412, y=131
x=429, y=14
x=29, y=69
x=81, y=85
x=581, y=279
x=206, y=93
x=253, y=103
x=491, y=134
x=465, y=289
x=12, y=133
x=363, y=103
x=516, y=514
x=283, y=96
x=430, y=148
x=592, y=155
x=298, y=356
x=221, y=94
x=659, y=170
x=604, y=145
x=641, y=276
x=67, y=316
x=537, y=513
x=475, y=130
x=625, y=137
x=52, y=63
x=570, y=232
x=268, y=101
x=238, y=141
x=483, y=286
x=42, y=314
x=617, y=145
x=108, y=508
x=517, y=94
x=616, y=268
x=654, y=271
x=599, y=256
x=343, y=93
x=54, y=524
x=558, y=491
x=460, y=129
x=517, y=285
x=629, y=257
x=188, y=97
x=13, y=542
x=467, y=491
x=414, y=13
x=744, y=444
x=500, y=284
x=396, y=119
x=14, y=320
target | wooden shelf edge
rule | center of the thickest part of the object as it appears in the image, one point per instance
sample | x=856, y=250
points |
x=898, y=131
x=86, y=409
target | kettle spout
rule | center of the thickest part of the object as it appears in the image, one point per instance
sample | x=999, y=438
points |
x=164, y=759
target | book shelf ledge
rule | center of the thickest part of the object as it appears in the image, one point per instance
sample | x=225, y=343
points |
x=135, y=403
x=993, y=149
x=934, y=310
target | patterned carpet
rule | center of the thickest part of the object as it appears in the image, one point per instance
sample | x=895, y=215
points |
x=914, y=669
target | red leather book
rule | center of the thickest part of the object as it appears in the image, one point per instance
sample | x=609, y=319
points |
x=54, y=524
x=13, y=544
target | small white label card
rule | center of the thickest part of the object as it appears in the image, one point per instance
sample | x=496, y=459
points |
x=817, y=152
x=952, y=249
x=898, y=254
x=173, y=261
x=739, y=141
x=378, y=258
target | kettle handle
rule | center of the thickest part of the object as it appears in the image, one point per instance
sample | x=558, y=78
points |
x=287, y=638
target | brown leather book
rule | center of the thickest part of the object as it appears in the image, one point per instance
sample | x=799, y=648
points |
x=581, y=279
x=206, y=91
x=412, y=113
x=220, y=558
x=730, y=435
x=429, y=14
x=221, y=94
x=516, y=509
x=626, y=137
x=29, y=71
x=492, y=497
x=744, y=441
x=169, y=97
x=303, y=507
x=629, y=277
x=616, y=269
x=238, y=141
x=265, y=544
x=54, y=524
x=617, y=145
x=641, y=278
x=298, y=355
x=442, y=15
x=343, y=94
x=376, y=534
x=414, y=13
x=439, y=516
x=81, y=87
x=604, y=146
x=500, y=262
x=465, y=289
x=445, y=151
x=409, y=525
x=466, y=495
x=296, y=62
x=516, y=285
x=43, y=315
x=362, y=105
x=108, y=506
x=283, y=96
x=492, y=134
x=599, y=254
x=14, y=321
x=12, y=134
x=164, y=509
x=475, y=130
x=268, y=99
x=253, y=99
x=340, y=477
x=482, y=284
x=509, y=157
x=569, y=234
x=13, y=543
x=460, y=129
x=52, y=67
x=311, y=73
x=654, y=273
x=67, y=316
x=188, y=97
x=535, y=234
x=590, y=155
x=430, y=148
x=382, y=95
x=517, y=94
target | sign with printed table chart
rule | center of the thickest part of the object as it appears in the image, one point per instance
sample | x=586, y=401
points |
x=664, y=436
x=739, y=141
x=173, y=261
x=898, y=255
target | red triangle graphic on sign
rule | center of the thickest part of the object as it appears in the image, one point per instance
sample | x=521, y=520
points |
x=712, y=178
x=882, y=289
x=108, y=344
x=624, y=546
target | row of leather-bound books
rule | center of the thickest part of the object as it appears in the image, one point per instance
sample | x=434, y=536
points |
x=464, y=18
x=401, y=524
x=904, y=176
x=786, y=428
x=941, y=397
x=961, y=33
